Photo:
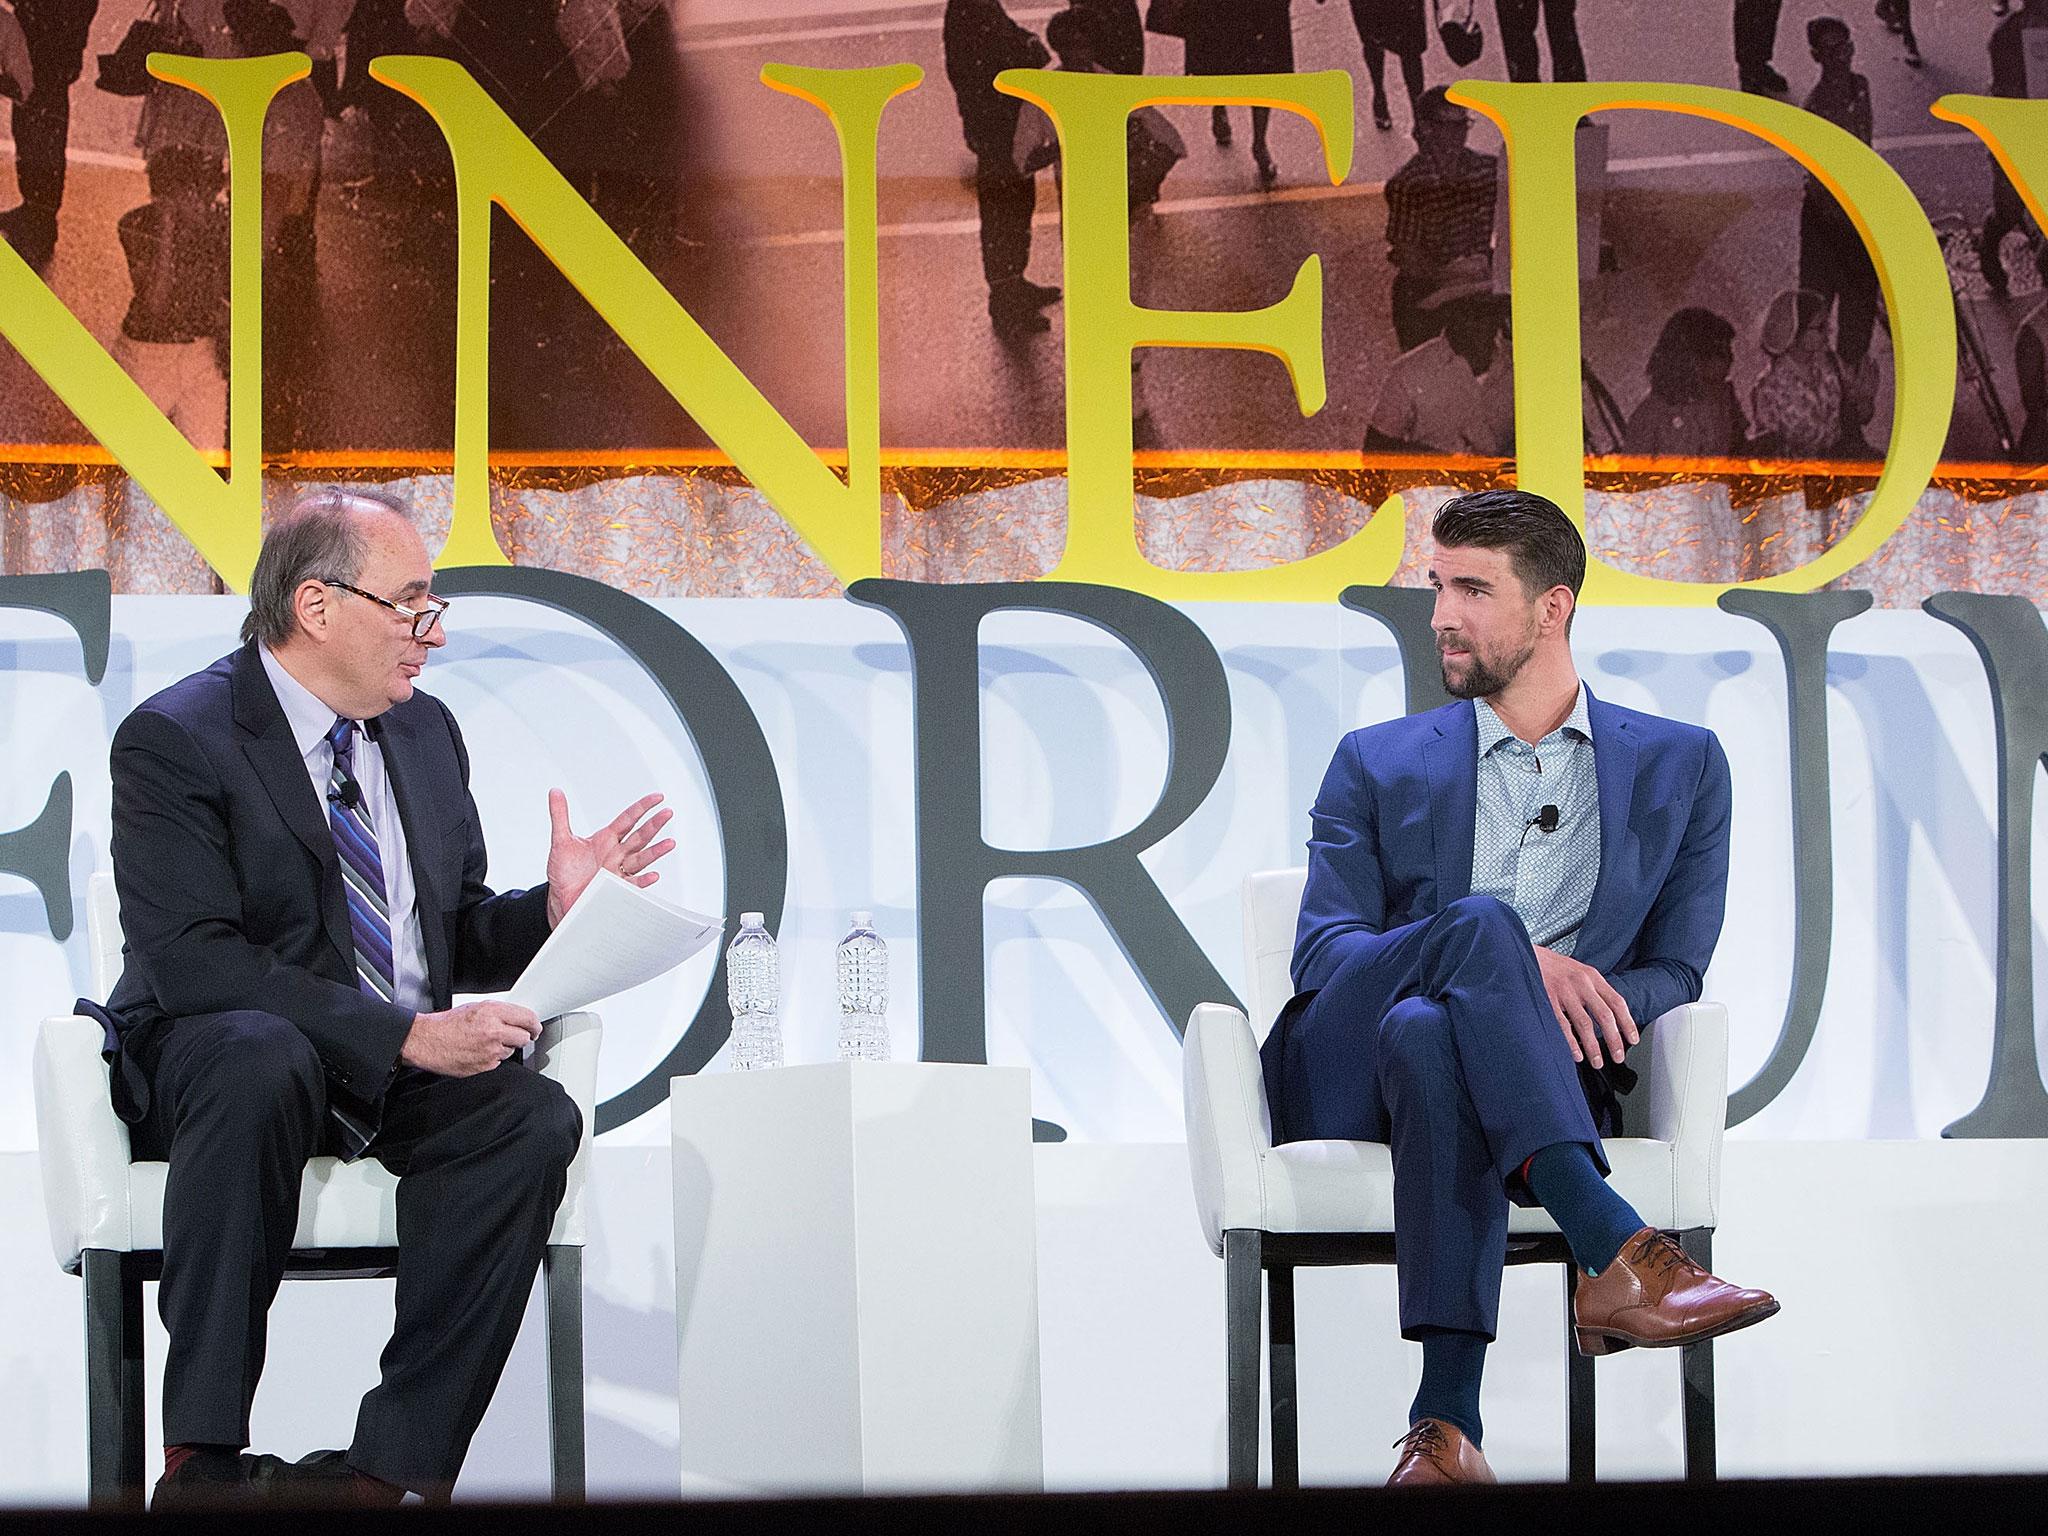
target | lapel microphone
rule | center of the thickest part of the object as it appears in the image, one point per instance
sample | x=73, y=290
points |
x=348, y=792
x=1544, y=821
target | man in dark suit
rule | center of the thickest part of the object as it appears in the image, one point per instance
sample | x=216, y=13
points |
x=301, y=875
x=1756, y=39
x=1560, y=19
x=1498, y=891
x=56, y=32
x=982, y=40
x=1119, y=33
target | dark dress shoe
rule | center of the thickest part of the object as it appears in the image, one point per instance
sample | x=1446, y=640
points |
x=1654, y=1297
x=1014, y=305
x=1435, y=1454
x=321, y=1479
x=205, y=1482
x=1014, y=313
x=33, y=234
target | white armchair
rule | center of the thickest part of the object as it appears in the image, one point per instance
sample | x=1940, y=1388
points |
x=106, y=1223
x=1267, y=1209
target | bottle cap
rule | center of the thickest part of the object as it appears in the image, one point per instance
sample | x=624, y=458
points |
x=863, y=919
x=752, y=920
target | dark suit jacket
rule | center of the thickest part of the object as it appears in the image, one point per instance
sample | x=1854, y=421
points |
x=231, y=895
x=1119, y=31
x=1391, y=844
x=982, y=40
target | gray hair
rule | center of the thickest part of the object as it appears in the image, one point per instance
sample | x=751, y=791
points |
x=320, y=538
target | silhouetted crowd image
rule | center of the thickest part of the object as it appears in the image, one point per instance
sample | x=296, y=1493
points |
x=1730, y=308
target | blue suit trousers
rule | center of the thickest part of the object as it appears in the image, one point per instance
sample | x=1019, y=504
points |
x=1438, y=1038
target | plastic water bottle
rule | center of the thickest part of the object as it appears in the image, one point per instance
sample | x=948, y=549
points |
x=863, y=993
x=752, y=988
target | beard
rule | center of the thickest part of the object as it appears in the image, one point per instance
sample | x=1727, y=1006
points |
x=1485, y=675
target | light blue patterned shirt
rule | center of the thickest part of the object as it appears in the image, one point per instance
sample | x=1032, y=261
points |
x=1547, y=877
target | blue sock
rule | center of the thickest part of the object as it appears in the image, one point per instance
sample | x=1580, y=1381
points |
x=1594, y=1219
x=1452, y=1363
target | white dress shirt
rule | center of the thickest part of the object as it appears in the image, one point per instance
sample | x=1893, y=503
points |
x=310, y=721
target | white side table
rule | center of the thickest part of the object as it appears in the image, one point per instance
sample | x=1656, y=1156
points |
x=856, y=1278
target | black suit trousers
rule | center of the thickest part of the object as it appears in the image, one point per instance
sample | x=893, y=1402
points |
x=56, y=32
x=238, y=1106
x=1756, y=36
x=1007, y=200
x=1518, y=38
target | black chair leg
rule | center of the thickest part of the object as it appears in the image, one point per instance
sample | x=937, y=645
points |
x=1241, y=1286
x=1696, y=1378
x=563, y=1267
x=1579, y=1399
x=1280, y=1347
x=113, y=1379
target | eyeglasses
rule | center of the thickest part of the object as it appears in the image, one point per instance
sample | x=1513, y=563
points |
x=422, y=620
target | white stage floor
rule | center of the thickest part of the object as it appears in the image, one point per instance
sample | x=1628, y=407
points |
x=1913, y=1337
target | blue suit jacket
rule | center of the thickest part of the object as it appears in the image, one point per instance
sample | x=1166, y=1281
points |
x=1391, y=843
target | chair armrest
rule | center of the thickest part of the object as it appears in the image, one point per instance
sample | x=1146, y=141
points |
x=1689, y=1105
x=567, y=1052
x=1229, y=1128
x=82, y=1146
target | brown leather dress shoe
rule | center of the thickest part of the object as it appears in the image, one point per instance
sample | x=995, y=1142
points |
x=1652, y=1295
x=1434, y=1454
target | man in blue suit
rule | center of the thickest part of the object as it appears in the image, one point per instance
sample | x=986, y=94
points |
x=1498, y=892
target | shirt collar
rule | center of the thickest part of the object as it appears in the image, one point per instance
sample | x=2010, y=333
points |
x=309, y=719
x=1492, y=732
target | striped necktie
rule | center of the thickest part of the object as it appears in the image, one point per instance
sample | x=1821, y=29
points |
x=362, y=868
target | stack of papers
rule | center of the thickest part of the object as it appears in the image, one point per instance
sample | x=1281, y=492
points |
x=614, y=938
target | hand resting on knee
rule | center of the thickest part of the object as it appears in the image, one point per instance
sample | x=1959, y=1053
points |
x=1589, y=1010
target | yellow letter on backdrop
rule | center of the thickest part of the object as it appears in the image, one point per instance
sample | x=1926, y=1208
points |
x=223, y=519
x=1538, y=122
x=495, y=163
x=1104, y=327
x=2013, y=130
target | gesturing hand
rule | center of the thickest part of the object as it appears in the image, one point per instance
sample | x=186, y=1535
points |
x=624, y=845
x=467, y=1040
x=1588, y=1008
